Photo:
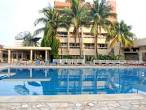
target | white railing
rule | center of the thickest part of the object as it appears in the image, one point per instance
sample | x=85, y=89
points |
x=132, y=62
x=109, y=61
x=69, y=61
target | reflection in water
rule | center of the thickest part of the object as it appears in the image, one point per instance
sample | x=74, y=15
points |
x=33, y=83
x=21, y=89
x=72, y=81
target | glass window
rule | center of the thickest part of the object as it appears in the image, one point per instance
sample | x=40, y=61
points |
x=102, y=46
x=63, y=44
x=62, y=34
x=74, y=45
x=89, y=46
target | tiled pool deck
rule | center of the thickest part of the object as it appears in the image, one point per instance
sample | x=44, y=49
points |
x=80, y=102
x=73, y=102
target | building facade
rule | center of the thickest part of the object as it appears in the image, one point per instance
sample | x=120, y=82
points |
x=85, y=43
x=137, y=52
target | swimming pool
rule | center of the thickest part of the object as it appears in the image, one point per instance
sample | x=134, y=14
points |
x=71, y=81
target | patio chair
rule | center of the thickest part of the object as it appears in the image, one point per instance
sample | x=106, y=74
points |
x=47, y=62
x=29, y=62
x=37, y=62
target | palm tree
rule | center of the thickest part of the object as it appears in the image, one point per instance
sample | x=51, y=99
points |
x=76, y=16
x=100, y=14
x=51, y=20
x=29, y=39
x=120, y=32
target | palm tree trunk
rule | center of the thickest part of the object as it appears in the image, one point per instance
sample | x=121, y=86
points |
x=96, y=46
x=52, y=56
x=80, y=43
x=76, y=35
x=119, y=48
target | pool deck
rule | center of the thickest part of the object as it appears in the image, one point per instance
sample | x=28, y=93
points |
x=74, y=102
x=3, y=66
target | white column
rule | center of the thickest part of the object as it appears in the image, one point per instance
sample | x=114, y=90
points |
x=30, y=72
x=17, y=55
x=35, y=55
x=31, y=53
x=140, y=56
x=9, y=72
x=45, y=73
x=22, y=55
x=46, y=55
x=9, y=56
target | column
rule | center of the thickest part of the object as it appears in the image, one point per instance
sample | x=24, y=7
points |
x=30, y=72
x=31, y=55
x=17, y=55
x=22, y=55
x=140, y=56
x=2, y=56
x=9, y=56
x=81, y=42
x=9, y=72
x=68, y=41
x=46, y=55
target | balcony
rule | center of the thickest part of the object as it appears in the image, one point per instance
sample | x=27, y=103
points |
x=89, y=51
x=63, y=51
x=89, y=40
x=74, y=51
x=101, y=40
x=103, y=51
x=72, y=40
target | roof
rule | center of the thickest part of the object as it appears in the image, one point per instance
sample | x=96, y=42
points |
x=140, y=42
x=27, y=48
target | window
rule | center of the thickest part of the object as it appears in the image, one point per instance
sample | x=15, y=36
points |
x=72, y=35
x=127, y=50
x=62, y=34
x=89, y=46
x=135, y=49
x=74, y=45
x=102, y=46
x=63, y=44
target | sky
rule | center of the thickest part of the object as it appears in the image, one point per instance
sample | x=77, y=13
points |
x=19, y=15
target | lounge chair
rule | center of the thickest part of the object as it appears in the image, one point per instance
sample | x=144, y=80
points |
x=37, y=62
x=47, y=62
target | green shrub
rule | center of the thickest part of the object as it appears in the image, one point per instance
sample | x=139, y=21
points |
x=109, y=57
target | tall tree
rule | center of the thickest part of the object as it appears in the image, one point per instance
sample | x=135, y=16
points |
x=76, y=16
x=120, y=32
x=100, y=14
x=28, y=39
x=51, y=20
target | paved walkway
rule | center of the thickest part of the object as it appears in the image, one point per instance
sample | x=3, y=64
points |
x=81, y=102
x=91, y=105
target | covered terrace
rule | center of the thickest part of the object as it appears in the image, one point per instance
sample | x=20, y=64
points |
x=13, y=54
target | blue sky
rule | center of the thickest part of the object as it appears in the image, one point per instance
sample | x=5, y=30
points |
x=19, y=15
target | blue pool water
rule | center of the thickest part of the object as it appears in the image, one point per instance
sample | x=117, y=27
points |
x=64, y=81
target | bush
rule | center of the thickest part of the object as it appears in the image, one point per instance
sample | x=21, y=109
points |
x=109, y=57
